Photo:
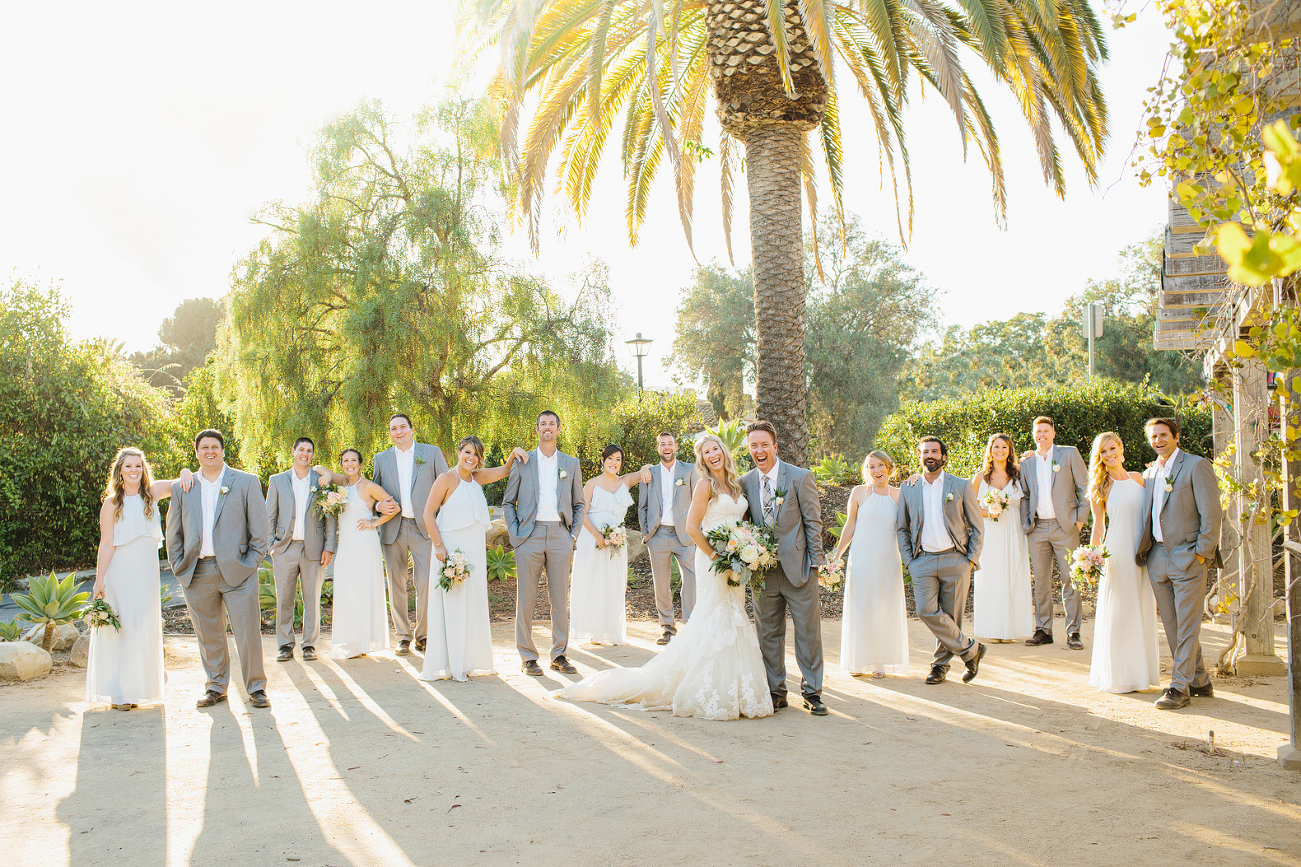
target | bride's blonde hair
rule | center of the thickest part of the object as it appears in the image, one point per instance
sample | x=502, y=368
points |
x=1099, y=478
x=731, y=484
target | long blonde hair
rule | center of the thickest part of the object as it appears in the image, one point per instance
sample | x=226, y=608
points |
x=1099, y=479
x=731, y=484
x=987, y=460
x=115, y=488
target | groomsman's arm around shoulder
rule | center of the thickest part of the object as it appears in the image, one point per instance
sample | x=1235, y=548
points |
x=488, y=475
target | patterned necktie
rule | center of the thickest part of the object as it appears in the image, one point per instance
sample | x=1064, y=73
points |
x=767, y=500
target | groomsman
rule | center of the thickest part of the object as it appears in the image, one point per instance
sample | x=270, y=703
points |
x=303, y=543
x=407, y=471
x=1059, y=506
x=216, y=539
x=939, y=529
x=544, y=507
x=1181, y=532
x=662, y=505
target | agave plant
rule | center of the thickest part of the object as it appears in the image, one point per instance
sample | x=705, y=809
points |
x=10, y=631
x=51, y=602
x=732, y=433
x=834, y=470
x=501, y=564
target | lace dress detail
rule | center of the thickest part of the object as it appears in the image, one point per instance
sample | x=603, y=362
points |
x=713, y=668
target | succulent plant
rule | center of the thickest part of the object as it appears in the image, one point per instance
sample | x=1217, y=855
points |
x=51, y=602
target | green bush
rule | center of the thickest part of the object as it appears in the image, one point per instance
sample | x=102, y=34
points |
x=1080, y=412
x=634, y=425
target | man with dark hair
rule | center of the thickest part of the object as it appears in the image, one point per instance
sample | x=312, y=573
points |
x=939, y=529
x=662, y=505
x=209, y=433
x=303, y=542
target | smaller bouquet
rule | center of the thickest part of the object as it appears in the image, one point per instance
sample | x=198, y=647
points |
x=454, y=570
x=1087, y=563
x=99, y=613
x=993, y=502
x=831, y=575
x=615, y=539
x=330, y=500
x=746, y=552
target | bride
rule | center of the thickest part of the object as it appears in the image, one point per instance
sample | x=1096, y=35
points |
x=713, y=668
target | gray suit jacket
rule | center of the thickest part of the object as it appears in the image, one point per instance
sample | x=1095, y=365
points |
x=430, y=464
x=962, y=518
x=1190, y=515
x=320, y=534
x=520, y=503
x=650, y=500
x=239, y=530
x=799, y=520
x=1070, y=488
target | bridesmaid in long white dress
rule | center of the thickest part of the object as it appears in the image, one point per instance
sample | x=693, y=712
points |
x=359, y=621
x=713, y=668
x=874, y=628
x=459, y=645
x=1125, y=648
x=1004, y=599
x=599, y=579
x=125, y=668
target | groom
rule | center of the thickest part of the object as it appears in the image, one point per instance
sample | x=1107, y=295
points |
x=216, y=538
x=662, y=506
x=785, y=498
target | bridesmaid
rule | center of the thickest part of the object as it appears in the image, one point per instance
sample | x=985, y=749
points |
x=599, y=580
x=125, y=668
x=874, y=630
x=1004, y=599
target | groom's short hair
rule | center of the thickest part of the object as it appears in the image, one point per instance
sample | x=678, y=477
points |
x=944, y=450
x=209, y=433
x=765, y=426
x=667, y=433
x=1043, y=419
x=550, y=412
x=1170, y=423
x=298, y=442
x=402, y=415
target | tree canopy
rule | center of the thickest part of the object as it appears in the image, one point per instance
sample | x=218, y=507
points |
x=185, y=339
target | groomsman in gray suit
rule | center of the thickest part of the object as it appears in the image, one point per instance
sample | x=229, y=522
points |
x=1180, y=542
x=662, y=505
x=785, y=498
x=939, y=528
x=544, y=507
x=1058, y=507
x=216, y=539
x=407, y=471
x=303, y=543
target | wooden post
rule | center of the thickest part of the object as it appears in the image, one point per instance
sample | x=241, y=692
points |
x=1290, y=753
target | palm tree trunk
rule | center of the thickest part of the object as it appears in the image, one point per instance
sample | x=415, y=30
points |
x=776, y=242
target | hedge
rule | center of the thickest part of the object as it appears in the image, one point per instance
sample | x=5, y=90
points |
x=1080, y=413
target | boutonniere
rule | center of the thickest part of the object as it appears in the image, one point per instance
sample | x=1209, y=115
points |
x=420, y=462
x=1057, y=468
x=778, y=496
x=1169, y=483
x=314, y=489
x=225, y=489
x=948, y=498
x=680, y=483
x=564, y=475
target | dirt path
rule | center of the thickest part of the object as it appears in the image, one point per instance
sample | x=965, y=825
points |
x=360, y=763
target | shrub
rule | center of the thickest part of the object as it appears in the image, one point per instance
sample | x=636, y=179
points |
x=634, y=424
x=835, y=470
x=1081, y=412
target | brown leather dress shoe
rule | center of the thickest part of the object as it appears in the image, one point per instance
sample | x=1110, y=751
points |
x=211, y=698
x=404, y=647
x=665, y=638
x=259, y=699
x=286, y=653
x=562, y=665
x=1041, y=636
x=973, y=664
x=1207, y=691
x=937, y=675
x=309, y=654
x=531, y=668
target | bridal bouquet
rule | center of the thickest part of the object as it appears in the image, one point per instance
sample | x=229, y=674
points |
x=454, y=570
x=993, y=502
x=831, y=575
x=745, y=551
x=99, y=613
x=615, y=538
x=1086, y=564
x=330, y=500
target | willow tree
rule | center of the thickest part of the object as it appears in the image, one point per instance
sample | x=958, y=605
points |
x=386, y=292
x=771, y=66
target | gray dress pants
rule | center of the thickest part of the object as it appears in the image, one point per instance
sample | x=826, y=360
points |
x=663, y=547
x=406, y=560
x=292, y=568
x=1048, y=542
x=1180, y=598
x=770, y=607
x=940, y=585
x=549, y=547
x=210, y=599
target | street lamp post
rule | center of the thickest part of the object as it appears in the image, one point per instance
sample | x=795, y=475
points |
x=640, y=347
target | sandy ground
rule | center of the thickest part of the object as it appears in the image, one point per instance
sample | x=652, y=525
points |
x=360, y=763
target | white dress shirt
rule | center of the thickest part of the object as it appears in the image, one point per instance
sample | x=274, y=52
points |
x=1044, y=473
x=301, y=501
x=209, y=493
x=406, y=473
x=548, y=486
x=935, y=530
x=1158, y=492
x=666, y=494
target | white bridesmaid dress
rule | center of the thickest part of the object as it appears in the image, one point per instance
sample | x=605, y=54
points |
x=1003, y=598
x=874, y=630
x=1125, y=646
x=359, y=623
x=599, y=579
x=126, y=667
x=459, y=644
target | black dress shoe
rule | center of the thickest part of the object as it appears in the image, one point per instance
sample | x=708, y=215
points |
x=665, y=638
x=211, y=698
x=1040, y=636
x=1172, y=699
x=420, y=645
x=973, y=664
x=813, y=704
x=778, y=701
x=531, y=668
x=259, y=699
x=562, y=665
x=1207, y=691
x=286, y=653
x=404, y=647
x=937, y=675
x=1073, y=641
x=309, y=653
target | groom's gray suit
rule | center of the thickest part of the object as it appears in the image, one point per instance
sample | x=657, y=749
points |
x=1190, y=528
x=1058, y=537
x=295, y=562
x=540, y=544
x=227, y=582
x=666, y=538
x=792, y=583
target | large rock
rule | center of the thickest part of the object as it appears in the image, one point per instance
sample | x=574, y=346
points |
x=636, y=545
x=20, y=660
x=80, y=653
x=498, y=534
x=65, y=635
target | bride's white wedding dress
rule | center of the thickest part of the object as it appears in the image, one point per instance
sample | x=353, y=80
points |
x=713, y=668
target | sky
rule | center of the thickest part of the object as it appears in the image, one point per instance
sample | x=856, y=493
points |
x=143, y=137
